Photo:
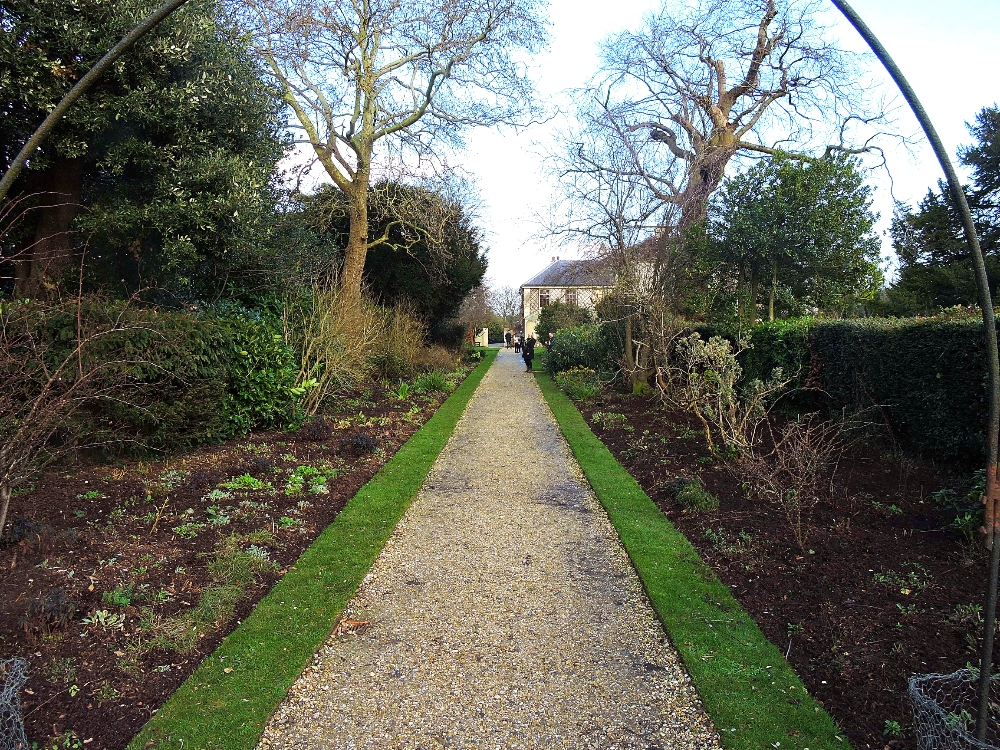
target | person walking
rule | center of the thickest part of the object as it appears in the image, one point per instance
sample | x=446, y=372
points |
x=507, y=338
x=517, y=344
x=529, y=352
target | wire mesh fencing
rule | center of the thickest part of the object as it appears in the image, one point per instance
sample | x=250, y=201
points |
x=944, y=711
x=14, y=673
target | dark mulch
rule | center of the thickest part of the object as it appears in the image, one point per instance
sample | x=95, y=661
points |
x=145, y=526
x=882, y=592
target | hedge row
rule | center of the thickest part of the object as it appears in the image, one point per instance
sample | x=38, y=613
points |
x=598, y=346
x=924, y=377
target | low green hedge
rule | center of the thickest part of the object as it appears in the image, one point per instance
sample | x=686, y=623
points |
x=928, y=377
x=597, y=346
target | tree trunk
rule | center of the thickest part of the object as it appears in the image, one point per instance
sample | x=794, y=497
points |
x=357, y=240
x=629, y=358
x=40, y=266
x=770, y=299
x=705, y=176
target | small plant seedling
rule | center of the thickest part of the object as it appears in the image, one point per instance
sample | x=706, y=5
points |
x=693, y=496
x=286, y=522
x=188, y=530
x=218, y=516
x=402, y=391
x=892, y=729
x=106, y=692
x=90, y=495
x=120, y=596
x=246, y=482
x=105, y=620
x=61, y=670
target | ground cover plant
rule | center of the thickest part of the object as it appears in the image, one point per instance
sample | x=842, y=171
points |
x=878, y=581
x=119, y=578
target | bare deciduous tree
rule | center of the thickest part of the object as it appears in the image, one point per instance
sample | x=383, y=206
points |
x=505, y=301
x=695, y=87
x=409, y=73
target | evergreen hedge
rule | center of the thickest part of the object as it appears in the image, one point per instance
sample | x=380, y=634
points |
x=925, y=376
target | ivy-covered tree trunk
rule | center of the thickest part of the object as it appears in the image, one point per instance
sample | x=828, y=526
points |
x=50, y=252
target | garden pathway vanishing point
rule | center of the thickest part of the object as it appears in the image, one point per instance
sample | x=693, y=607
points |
x=503, y=612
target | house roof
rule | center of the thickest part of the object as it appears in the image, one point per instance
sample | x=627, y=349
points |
x=573, y=273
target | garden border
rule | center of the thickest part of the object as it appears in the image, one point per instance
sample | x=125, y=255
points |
x=750, y=692
x=227, y=702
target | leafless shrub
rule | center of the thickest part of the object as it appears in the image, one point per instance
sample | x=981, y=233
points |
x=798, y=472
x=343, y=342
x=703, y=377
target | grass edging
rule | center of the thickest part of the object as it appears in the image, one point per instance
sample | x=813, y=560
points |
x=748, y=689
x=228, y=700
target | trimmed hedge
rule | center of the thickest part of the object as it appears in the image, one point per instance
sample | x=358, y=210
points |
x=926, y=376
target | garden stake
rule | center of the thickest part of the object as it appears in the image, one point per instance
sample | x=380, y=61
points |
x=148, y=24
x=992, y=359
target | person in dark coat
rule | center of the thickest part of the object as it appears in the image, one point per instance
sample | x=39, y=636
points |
x=528, y=352
x=507, y=337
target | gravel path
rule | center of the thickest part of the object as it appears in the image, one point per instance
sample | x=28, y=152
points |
x=503, y=613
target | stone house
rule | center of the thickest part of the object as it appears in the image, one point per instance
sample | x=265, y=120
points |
x=575, y=282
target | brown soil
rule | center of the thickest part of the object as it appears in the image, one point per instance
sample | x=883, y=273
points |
x=146, y=529
x=876, y=597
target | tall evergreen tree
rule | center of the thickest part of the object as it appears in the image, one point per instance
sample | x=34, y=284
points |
x=164, y=169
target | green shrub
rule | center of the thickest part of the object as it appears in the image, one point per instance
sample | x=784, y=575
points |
x=180, y=379
x=693, y=496
x=432, y=382
x=926, y=377
x=558, y=315
x=169, y=371
x=262, y=372
x=579, y=383
x=597, y=346
x=783, y=344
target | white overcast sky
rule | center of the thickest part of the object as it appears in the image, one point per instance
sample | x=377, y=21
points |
x=950, y=53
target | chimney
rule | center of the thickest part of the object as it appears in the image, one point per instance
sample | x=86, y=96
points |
x=555, y=258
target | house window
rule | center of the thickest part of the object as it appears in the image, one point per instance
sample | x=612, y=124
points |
x=571, y=298
x=543, y=298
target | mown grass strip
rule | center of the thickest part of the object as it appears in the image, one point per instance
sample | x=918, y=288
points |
x=754, y=697
x=225, y=704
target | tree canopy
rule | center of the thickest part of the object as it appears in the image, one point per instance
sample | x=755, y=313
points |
x=791, y=234
x=406, y=75
x=935, y=271
x=171, y=156
x=428, y=253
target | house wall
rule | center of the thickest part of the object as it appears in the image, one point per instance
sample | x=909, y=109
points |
x=587, y=296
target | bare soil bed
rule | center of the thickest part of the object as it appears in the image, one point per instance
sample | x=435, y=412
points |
x=122, y=577
x=882, y=592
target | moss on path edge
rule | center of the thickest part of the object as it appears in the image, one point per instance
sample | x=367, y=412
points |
x=225, y=704
x=748, y=689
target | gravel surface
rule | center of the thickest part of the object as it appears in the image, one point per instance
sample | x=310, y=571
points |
x=503, y=613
